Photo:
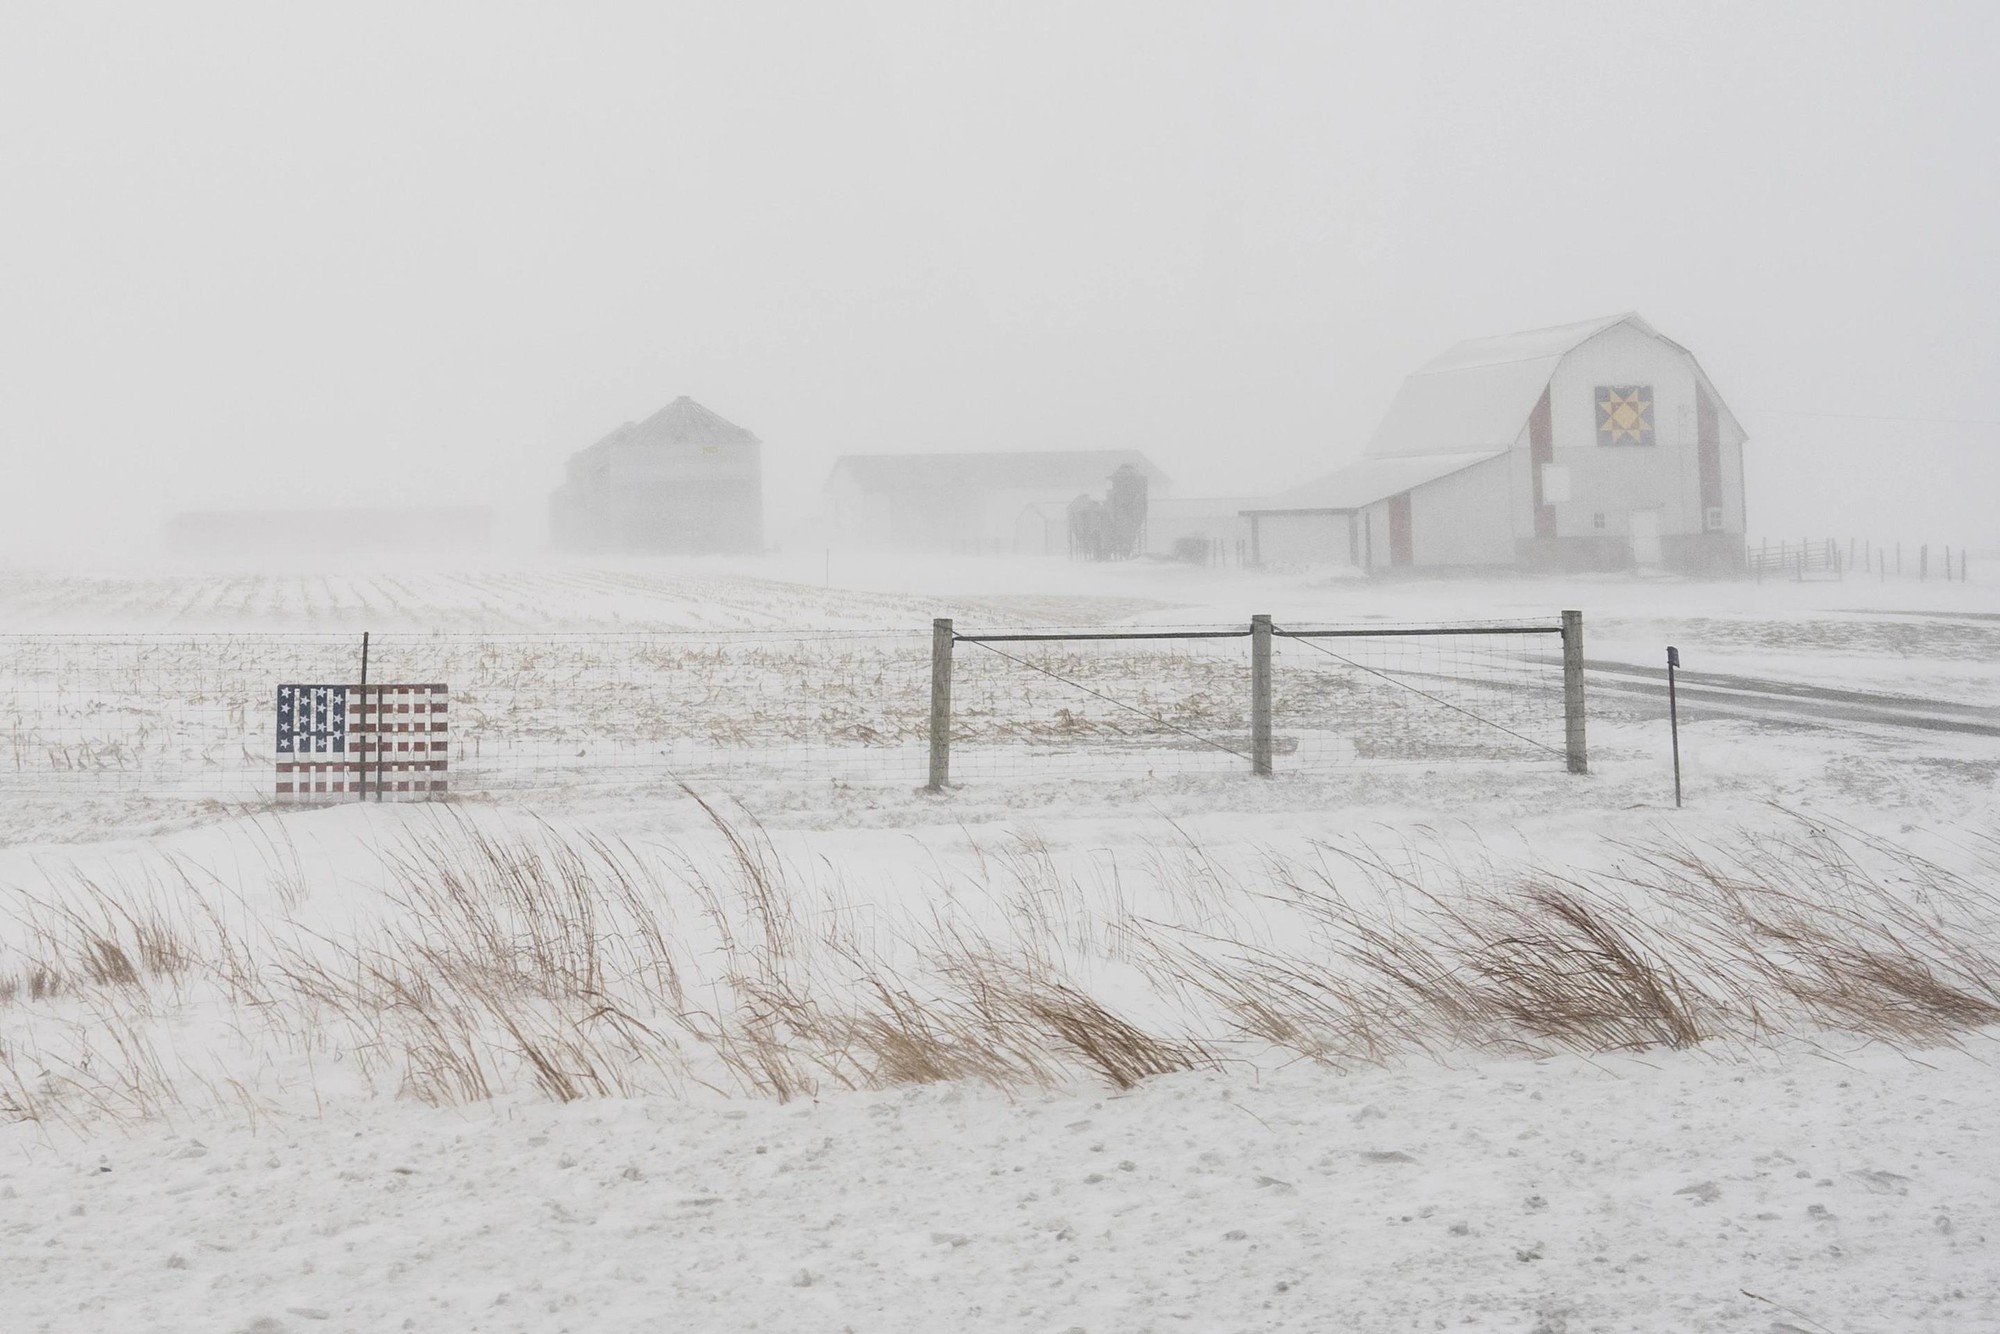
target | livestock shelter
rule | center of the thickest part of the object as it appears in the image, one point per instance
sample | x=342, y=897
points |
x=683, y=480
x=998, y=503
x=1593, y=446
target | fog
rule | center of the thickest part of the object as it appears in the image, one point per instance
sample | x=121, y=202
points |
x=278, y=256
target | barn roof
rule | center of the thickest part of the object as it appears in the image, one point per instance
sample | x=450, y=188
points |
x=1024, y=470
x=681, y=422
x=1478, y=394
x=1369, y=480
x=1461, y=408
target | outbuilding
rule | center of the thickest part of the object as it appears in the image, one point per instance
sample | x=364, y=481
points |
x=990, y=503
x=683, y=480
x=1593, y=446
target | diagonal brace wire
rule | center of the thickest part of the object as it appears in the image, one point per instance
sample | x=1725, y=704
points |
x=1117, y=703
x=1405, y=685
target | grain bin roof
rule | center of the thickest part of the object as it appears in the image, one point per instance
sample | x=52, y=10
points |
x=681, y=422
x=1064, y=470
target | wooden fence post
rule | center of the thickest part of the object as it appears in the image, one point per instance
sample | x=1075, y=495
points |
x=1260, y=696
x=1573, y=738
x=940, y=730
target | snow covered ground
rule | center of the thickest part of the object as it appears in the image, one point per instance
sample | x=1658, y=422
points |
x=1847, y=1191
x=214, y=1165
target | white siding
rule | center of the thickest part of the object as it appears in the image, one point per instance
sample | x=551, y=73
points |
x=1374, y=535
x=1734, y=518
x=1615, y=479
x=1304, y=539
x=1463, y=519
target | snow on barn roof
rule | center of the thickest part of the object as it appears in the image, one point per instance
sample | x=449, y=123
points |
x=1478, y=394
x=1024, y=470
x=681, y=422
x=1370, y=480
x=1461, y=408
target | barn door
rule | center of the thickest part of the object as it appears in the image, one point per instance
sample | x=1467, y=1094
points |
x=1399, y=529
x=1645, y=529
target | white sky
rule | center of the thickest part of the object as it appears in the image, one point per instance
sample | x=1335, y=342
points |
x=289, y=255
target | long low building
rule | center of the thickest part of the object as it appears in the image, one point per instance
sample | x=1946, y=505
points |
x=1592, y=446
x=992, y=503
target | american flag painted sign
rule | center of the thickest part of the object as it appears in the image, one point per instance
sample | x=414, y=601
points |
x=350, y=742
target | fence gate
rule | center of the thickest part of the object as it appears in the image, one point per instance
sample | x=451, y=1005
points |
x=1262, y=697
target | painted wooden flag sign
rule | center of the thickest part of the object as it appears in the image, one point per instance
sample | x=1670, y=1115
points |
x=353, y=742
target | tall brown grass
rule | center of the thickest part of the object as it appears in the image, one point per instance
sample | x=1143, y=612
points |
x=568, y=966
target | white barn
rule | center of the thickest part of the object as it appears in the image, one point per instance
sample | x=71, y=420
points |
x=1593, y=446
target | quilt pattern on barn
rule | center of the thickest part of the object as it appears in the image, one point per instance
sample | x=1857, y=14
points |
x=1625, y=414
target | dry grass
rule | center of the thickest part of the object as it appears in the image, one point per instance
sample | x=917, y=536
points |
x=570, y=967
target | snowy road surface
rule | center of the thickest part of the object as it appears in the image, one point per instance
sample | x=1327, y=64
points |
x=1715, y=694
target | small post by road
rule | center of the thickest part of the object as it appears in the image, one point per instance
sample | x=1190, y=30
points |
x=1674, y=718
x=1260, y=696
x=1573, y=739
x=940, y=728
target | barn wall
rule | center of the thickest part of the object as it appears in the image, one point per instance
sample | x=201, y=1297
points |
x=1467, y=518
x=1304, y=539
x=851, y=517
x=1374, y=535
x=1039, y=533
x=1735, y=507
x=1613, y=480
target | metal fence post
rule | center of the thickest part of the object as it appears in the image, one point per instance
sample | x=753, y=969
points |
x=360, y=727
x=1579, y=754
x=1260, y=696
x=941, y=642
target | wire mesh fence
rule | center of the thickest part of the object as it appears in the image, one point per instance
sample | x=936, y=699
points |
x=209, y=718
x=1071, y=705
x=196, y=717
x=1417, y=695
x=1121, y=703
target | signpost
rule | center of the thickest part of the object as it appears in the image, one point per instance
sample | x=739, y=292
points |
x=1674, y=719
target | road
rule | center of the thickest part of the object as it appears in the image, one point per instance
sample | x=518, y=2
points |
x=1709, y=694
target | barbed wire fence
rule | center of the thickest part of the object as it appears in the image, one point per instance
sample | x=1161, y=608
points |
x=166, y=719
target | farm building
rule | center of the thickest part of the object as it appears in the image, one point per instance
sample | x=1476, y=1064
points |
x=1203, y=531
x=992, y=503
x=683, y=480
x=1593, y=446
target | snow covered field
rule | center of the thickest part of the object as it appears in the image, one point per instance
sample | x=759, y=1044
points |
x=839, y=1059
